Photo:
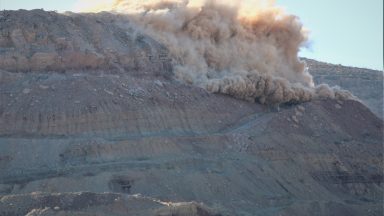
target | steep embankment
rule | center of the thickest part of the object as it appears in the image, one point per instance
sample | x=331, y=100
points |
x=124, y=126
x=366, y=84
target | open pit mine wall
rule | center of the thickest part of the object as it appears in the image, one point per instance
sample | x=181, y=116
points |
x=47, y=41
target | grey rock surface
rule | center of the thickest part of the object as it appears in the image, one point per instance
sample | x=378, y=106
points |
x=124, y=138
x=366, y=84
x=46, y=41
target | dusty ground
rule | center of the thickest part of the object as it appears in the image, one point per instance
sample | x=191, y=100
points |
x=124, y=138
x=366, y=84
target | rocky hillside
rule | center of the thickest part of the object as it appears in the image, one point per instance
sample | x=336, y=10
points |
x=46, y=41
x=92, y=123
x=366, y=84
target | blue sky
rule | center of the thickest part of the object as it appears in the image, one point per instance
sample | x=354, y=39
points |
x=348, y=32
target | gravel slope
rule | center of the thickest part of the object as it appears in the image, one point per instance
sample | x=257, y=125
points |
x=124, y=138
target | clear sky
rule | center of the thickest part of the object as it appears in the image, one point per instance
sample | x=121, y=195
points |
x=348, y=32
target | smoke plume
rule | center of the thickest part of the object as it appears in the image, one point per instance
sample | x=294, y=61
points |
x=247, y=49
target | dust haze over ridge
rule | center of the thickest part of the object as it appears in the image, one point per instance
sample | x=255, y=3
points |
x=247, y=49
x=103, y=113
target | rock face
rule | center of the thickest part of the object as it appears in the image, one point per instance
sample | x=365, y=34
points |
x=364, y=83
x=47, y=41
x=140, y=143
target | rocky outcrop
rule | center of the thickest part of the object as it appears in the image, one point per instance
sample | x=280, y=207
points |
x=86, y=203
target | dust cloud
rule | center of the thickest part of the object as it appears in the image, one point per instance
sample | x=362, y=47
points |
x=246, y=49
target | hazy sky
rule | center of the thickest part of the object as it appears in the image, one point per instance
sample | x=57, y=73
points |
x=348, y=32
